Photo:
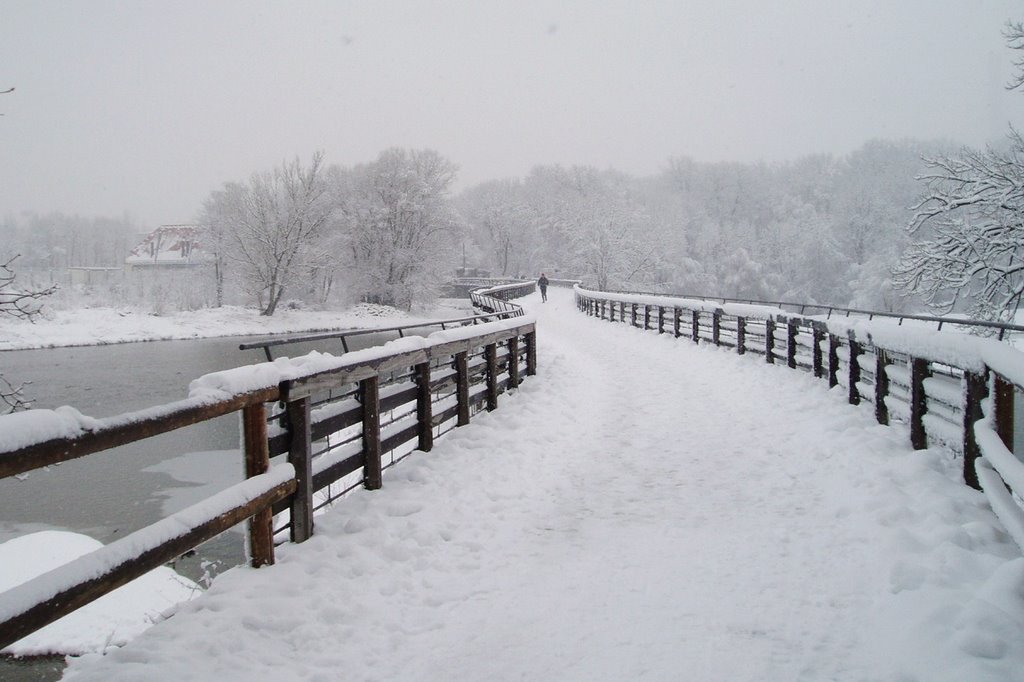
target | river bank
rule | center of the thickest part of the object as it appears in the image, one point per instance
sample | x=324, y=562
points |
x=99, y=326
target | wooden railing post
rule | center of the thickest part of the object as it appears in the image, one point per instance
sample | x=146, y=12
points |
x=531, y=354
x=716, y=326
x=632, y=315
x=833, y=360
x=462, y=387
x=647, y=317
x=491, y=361
x=854, y=371
x=1003, y=409
x=816, y=359
x=301, y=457
x=741, y=335
x=695, y=323
x=369, y=391
x=976, y=390
x=769, y=341
x=791, y=333
x=676, y=314
x=611, y=311
x=257, y=461
x=918, y=403
x=513, y=362
x=424, y=407
x=622, y=311
x=661, y=319
x=881, y=386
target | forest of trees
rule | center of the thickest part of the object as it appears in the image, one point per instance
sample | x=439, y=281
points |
x=819, y=229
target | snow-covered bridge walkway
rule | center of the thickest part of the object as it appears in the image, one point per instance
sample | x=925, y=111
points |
x=642, y=509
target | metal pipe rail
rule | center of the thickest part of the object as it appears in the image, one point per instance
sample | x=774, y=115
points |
x=393, y=398
x=828, y=310
x=938, y=385
x=267, y=344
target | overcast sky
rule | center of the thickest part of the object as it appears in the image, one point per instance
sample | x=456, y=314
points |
x=145, y=107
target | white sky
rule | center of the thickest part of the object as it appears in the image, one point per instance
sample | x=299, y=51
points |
x=146, y=107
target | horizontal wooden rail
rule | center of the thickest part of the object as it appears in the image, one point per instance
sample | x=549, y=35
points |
x=338, y=421
x=937, y=385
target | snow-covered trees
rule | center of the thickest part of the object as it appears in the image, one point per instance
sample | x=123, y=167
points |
x=973, y=216
x=576, y=222
x=22, y=304
x=503, y=221
x=970, y=224
x=397, y=225
x=272, y=225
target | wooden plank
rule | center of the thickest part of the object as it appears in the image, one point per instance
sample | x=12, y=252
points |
x=647, y=317
x=462, y=387
x=443, y=416
x=816, y=363
x=128, y=430
x=338, y=470
x=513, y=362
x=400, y=437
x=491, y=355
x=369, y=389
x=301, y=457
x=741, y=335
x=918, y=403
x=695, y=326
x=854, y=371
x=395, y=400
x=881, y=386
x=531, y=354
x=833, y=360
x=1004, y=399
x=976, y=390
x=791, y=333
x=424, y=407
x=716, y=327
x=661, y=319
x=79, y=595
x=257, y=461
x=632, y=315
x=676, y=313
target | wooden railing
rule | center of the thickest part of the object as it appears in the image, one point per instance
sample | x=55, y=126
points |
x=400, y=331
x=335, y=426
x=497, y=299
x=935, y=382
x=997, y=329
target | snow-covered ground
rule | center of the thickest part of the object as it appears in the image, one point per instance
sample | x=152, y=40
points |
x=91, y=326
x=110, y=621
x=643, y=508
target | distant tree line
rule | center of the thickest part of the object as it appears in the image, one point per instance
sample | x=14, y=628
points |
x=892, y=225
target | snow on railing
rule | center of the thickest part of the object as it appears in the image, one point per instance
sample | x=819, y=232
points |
x=333, y=417
x=938, y=382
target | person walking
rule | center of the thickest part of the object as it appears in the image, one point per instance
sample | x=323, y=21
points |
x=543, y=284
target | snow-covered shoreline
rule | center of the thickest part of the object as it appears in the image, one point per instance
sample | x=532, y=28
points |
x=101, y=326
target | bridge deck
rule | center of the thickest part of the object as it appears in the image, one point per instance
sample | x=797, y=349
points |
x=644, y=508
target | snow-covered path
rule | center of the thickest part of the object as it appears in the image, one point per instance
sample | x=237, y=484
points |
x=642, y=509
